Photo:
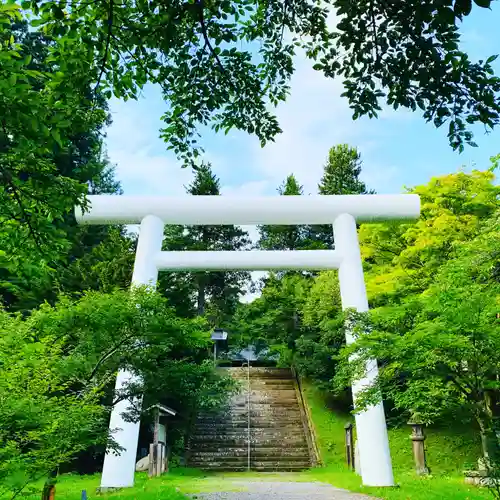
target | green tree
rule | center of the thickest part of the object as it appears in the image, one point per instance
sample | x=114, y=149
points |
x=41, y=240
x=103, y=265
x=57, y=372
x=402, y=259
x=44, y=107
x=44, y=424
x=281, y=237
x=274, y=320
x=37, y=268
x=219, y=290
x=405, y=54
x=340, y=176
x=438, y=348
x=193, y=50
x=434, y=289
x=341, y=172
x=322, y=334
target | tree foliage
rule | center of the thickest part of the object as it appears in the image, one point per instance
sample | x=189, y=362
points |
x=273, y=237
x=45, y=110
x=433, y=288
x=58, y=367
x=219, y=64
x=214, y=293
x=407, y=55
x=438, y=348
x=47, y=161
x=342, y=171
x=340, y=177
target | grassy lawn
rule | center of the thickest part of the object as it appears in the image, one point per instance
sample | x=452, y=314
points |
x=69, y=487
x=177, y=484
x=448, y=453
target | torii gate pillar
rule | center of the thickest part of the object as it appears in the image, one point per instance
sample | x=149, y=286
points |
x=118, y=470
x=341, y=211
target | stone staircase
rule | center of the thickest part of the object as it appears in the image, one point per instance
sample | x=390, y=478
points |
x=278, y=439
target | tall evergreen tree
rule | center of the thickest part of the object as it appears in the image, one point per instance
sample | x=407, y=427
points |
x=273, y=237
x=341, y=172
x=216, y=293
x=340, y=176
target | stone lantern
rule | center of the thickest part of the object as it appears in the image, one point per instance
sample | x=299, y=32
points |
x=418, y=441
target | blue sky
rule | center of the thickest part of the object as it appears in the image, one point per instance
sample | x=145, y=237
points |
x=399, y=149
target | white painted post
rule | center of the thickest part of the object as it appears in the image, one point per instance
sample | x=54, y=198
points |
x=118, y=470
x=374, y=453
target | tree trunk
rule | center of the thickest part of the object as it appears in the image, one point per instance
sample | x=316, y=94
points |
x=201, y=295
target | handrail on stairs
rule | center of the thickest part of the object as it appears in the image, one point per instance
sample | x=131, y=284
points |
x=247, y=363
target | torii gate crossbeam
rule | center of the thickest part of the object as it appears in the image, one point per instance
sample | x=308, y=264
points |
x=341, y=211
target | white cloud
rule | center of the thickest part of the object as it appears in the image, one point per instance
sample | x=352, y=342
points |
x=142, y=163
x=253, y=188
x=381, y=178
x=313, y=119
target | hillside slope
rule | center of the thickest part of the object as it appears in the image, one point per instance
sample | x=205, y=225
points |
x=449, y=452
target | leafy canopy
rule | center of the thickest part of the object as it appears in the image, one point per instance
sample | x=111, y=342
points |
x=222, y=63
x=58, y=369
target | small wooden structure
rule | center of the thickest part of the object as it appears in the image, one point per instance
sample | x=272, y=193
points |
x=158, y=462
x=219, y=336
x=349, y=445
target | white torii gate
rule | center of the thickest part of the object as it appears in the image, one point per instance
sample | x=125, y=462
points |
x=152, y=213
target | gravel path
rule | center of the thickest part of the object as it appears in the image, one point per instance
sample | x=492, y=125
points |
x=282, y=491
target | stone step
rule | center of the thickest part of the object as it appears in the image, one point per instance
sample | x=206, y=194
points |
x=242, y=413
x=254, y=452
x=267, y=382
x=273, y=379
x=243, y=424
x=254, y=465
x=199, y=460
x=264, y=397
x=258, y=370
x=215, y=435
x=263, y=403
x=269, y=464
x=255, y=448
x=271, y=391
x=219, y=440
x=292, y=441
x=255, y=420
x=243, y=379
x=268, y=406
x=261, y=376
x=265, y=432
x=258, y=405
x=265, y=391
x=260, y=387
x=255, y=469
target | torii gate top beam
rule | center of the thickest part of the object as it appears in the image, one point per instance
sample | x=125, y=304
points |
x=225, y=210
